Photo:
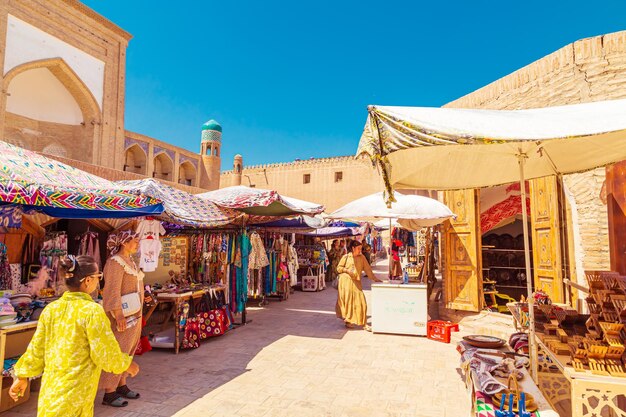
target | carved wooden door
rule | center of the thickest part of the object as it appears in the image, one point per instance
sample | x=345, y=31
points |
x=462, y=272
x=546, y=243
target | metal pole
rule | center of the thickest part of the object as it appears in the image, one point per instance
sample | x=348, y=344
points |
x=390, y=252
x=532, y=343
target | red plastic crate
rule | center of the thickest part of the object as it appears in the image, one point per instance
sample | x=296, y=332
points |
x=440, y=330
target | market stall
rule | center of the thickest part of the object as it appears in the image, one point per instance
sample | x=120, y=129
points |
x=398, y=307
x=451, y=149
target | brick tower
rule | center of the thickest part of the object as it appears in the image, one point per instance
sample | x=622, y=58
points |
x=210, y=151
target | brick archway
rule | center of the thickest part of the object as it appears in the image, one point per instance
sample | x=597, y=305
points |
x=72, y=82
x=81, y=140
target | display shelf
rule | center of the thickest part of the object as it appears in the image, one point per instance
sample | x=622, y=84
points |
x=507, y=267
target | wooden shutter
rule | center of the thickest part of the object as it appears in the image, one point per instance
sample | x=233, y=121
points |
x=546, y=243
x=462, y=279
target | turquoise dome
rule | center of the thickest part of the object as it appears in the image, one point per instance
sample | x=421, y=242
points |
x=212, y=125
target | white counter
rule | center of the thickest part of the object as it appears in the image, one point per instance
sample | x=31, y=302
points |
x=399, y=308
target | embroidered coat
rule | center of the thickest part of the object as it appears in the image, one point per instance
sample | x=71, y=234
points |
x=72, y=344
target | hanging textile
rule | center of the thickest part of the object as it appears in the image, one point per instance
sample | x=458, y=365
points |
x=6, y=281
x=149, y=232
x=89, y=245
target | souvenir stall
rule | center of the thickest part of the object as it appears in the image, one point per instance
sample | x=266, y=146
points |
x=36, y=191
x=502, y=245
x=265, y=208
x=398, y=307
x=195, y=276
x=453, y=149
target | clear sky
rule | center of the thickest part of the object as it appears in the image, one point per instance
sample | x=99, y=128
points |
x=292, y=79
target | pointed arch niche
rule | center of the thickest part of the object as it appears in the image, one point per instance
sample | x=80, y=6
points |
x=135, y=160
x=187, y=174
x=163, y=167
x=49, y=107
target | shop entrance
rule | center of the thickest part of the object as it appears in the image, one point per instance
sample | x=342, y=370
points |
x=484, y=263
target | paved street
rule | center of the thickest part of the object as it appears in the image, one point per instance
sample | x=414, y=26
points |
x=297, y=359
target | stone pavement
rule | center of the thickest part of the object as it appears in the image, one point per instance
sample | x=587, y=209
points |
x=297, y=359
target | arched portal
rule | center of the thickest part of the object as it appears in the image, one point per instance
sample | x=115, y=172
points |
x=135, y=160
x=187, y=174
x=49, y=107
x=163, y=167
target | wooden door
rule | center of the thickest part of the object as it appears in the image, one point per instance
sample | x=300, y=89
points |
x=546, y=238
x=616, y=203
x=463, y=263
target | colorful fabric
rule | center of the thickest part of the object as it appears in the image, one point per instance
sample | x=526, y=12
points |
x=484, y=405
x=72, y=345
x=506, y=209
x=259, y=202
x=182, y=207
x=29, y=179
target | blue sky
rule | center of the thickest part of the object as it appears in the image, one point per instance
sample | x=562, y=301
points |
x=292, y=79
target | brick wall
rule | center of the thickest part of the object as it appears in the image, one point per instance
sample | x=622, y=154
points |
x=588, y=70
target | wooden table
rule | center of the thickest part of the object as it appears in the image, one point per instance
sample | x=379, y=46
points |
x=572, y=392
x=176, y=300
x=13, y=342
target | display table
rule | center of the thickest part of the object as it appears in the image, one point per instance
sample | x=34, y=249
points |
x=526, y=384
x=13, y=342
x=572, y=392
x=399, y=308
x=175, y=301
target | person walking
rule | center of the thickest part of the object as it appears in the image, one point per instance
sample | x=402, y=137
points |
x=123, y=279
x=351, y=305
x=73, y=343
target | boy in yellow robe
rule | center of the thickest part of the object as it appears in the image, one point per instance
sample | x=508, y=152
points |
x=73, y=343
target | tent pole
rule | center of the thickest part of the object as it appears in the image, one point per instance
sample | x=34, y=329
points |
x=390, y=252
x=532, y=343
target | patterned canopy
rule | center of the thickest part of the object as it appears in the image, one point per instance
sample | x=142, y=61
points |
x=59, y=190
x=182, y=207
x=448, y=149
x=260, y=202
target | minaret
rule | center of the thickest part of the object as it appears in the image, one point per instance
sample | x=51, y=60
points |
x=238, y=169
x=210, y=151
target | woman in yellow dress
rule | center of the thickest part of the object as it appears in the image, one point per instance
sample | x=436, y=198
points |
x=351, y=304
x=73, y=343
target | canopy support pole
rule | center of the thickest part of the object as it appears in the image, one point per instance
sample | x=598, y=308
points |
x=532, y=343
x=390, y=251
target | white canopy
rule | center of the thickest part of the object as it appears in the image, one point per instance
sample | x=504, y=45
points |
x=436, y=152
x=422, y=211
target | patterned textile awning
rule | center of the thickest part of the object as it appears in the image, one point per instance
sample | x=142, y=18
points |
x=182, y=207
x=448, y=149
x=506, y=209
x=59, y=190
x=260, y=202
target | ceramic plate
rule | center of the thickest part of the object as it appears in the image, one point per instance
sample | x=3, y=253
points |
x=483, y=341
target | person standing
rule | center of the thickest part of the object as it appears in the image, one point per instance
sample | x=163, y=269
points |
x=351, y=305
x=73, y=343
x=122, y=279
x=334, y=256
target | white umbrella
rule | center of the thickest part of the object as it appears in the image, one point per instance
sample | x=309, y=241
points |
x=422, y=211
x=416, y=210
x=446, y=149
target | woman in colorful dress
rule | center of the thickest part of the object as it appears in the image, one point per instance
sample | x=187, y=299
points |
x=351, y=304
x=73, y=343
x=122, y=277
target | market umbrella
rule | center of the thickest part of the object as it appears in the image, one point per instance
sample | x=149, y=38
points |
x=412, y=211
x=35, y=182
x=447, y=149
x=260, y=202
x=422, y=211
